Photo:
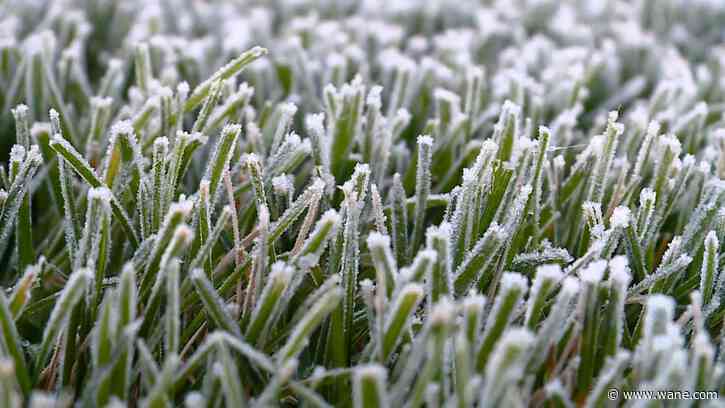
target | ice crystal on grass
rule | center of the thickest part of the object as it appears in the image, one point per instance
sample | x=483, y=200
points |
x=439, y=203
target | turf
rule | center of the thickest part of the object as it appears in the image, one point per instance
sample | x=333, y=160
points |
x=364, y=204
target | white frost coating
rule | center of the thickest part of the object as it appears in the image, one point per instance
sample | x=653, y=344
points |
x=544, y=73
x=594, y=272
x=512, y=108
x=442, y=312
x=612, y=119
x=330, y=216
x=20, y=110
x=163, y=144
x=496, y=231
x=123, y=127
x=82, y=273
x=378, y=240
x=352, y=89
x=100, y=193
x=666, y=343
x=367, y=287
x=619, y=270
x=39, y=128
x=672, y=143
x=442, y=231
x=317, y=187
x=428, y=255
x=653, y=128
x=165, y=92
x=570, y=286
x=448, y=96
x=402, y=116
x=373, y=100
x=184, y=207
x=711, y=240
x=702, y=347
x=473, y=302
x=282, y=184
x=593, y=209
x=688, y=161
x=551, y=272
x=17, y=153
x=53, y=114
x=37, y=43
x=555, y=387
x=233, y=128
x=183, y=89
x=516, y=340
x=425, y=140
x=659, y=303
x=375, y=371
x=281, y=271
x=647, y=195
x=597, y=145
x=369, y=373
x=250, y=159
x=526, y=144
x=101, y=102
x=412, y=289
x=34, y=156
x=293, y=139
x=513, y=280
x=288, y=110
x=488, y=147
x=194, y=399
x=197, y=274
x=315, y=123
x=183, y=233
x=621, y=217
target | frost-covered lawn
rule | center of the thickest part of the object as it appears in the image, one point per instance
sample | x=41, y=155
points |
x=450, y=203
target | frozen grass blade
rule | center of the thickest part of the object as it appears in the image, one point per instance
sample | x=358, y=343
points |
x=590, y=302
x=547, y=277
x=709, y=273
x=229, y=377
x=369, y=387
x=604, y=157
x=268, y=306
x=213, y=304
x=316, y=314
x=172, y=314
x=316, y=243
x=398, y=317
x=513, y=287
x=399, y=220
x=69, y=297
x=506, y=364
x=231, y=69
x=479, y=259
x=23, y=166
x=11, y=344
x=177, y=214
x=422, y=190
x=23, y=230
x=74, y=160
x=304, y=201
x=222, y=155
x=386, y=271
